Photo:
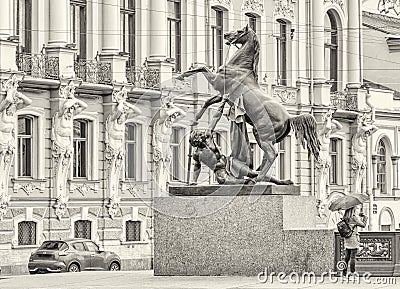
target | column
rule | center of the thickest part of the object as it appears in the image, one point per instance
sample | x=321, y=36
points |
x=354, y=42
x=158, y=29
x=321, y=89
x=374, y=174
x=318, y=40
x=395, y=162
x=7, y=48
x=111, y=26
x=58, y=30
x=5, y=19
x=111, y=40
x=158, y=41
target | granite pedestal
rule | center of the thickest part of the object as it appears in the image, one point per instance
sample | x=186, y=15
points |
x=218, y=234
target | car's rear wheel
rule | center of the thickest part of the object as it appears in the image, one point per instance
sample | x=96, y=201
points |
x=74, y=267
x=115, y=266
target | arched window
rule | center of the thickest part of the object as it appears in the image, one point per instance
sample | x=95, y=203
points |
x=217, y=36
x=83, y=229
x=386, y=221
x=282, y=51
x=381, y=167
x=80, y=148
x=128, y=29
x=331, y=49
x=78, y=26
x=25, y=146
x=335, y=171
x=253, y=21
x=23, y=23
x=132, y=151
x=26, y=233
x=174, y=32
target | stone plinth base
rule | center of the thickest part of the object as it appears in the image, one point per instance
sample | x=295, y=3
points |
x=236, y=190
x=239, y=235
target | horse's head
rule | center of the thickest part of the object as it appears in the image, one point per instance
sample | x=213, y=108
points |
x=240, y=36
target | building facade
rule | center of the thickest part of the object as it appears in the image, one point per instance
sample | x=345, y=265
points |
x=91, y=81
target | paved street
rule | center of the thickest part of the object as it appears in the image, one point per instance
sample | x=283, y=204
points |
x=146, y=280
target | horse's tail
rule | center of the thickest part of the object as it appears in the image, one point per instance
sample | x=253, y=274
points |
x=305, y=129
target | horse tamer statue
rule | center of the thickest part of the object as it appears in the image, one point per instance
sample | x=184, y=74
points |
x=237, y=84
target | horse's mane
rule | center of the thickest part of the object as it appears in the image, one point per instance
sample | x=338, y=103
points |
x=256, y=56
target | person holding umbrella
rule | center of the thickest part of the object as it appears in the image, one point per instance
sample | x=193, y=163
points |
x=355, y=218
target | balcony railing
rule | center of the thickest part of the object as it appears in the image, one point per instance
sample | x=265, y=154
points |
x=342, y=100
x=38, y=65
x=379, y=253
x=143, y=77
x=93, y=71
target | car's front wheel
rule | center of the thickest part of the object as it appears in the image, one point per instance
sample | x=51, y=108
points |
x=115, y=266
x=74, y=267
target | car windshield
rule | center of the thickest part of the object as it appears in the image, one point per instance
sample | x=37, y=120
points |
x=53, y=245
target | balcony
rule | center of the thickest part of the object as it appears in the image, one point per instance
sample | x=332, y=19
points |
x=379, y=253
x=343, y=100
x=143, y=77
x=93, y=71
x=38, y=65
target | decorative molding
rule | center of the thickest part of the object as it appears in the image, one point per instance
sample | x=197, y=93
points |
x=285, y=94
x=134, y=190
x=84, y=189
x=29, y=188
x=385, y=6
x=227, y=3
x=253, y=5
x=113, y=206
x=284, y=8
x=340, y=3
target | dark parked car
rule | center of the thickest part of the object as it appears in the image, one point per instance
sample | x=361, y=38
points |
x=72, y=255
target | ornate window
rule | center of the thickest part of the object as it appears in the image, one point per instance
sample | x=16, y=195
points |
x=381, y=167
x=282, y=49
x=128, y=8
x=177, y=154
x=217, y=36
x=132, y=151
x=133, y=229
x=331, y=49
x=253, y=21
x=80, y=148
x=174, y=32
x=78, y=26
x=26, y=233
x=83, y=229
x=23, y=23
x=335, y=172
x=283, y=159
x=25, y=146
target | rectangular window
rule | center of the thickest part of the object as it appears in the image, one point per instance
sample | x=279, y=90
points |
x=252, y=21
x=27, y=233
x=23, y=24
x=217, y=31
x=25, y=142
x=282, y=52
x=132, y=153
x=177, y=155
x=80, y=148
x=282, y=159
x=174, y=32
x=385, y=227
x=78, y=26
x=83, y=229
x=335, y=170
x=128, y=10
x=132, y=231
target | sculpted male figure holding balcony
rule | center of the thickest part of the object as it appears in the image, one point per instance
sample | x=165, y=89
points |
x=63, y=119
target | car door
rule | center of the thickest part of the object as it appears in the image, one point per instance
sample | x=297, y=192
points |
x=84, y=255
x=96, y=257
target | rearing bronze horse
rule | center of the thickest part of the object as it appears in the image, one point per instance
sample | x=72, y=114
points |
x=270, y=120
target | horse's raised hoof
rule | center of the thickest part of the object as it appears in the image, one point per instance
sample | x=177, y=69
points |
x=250, y=182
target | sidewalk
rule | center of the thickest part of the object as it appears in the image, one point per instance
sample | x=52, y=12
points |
x=146, y=280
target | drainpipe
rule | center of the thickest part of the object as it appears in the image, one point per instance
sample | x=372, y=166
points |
x=311, y=90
